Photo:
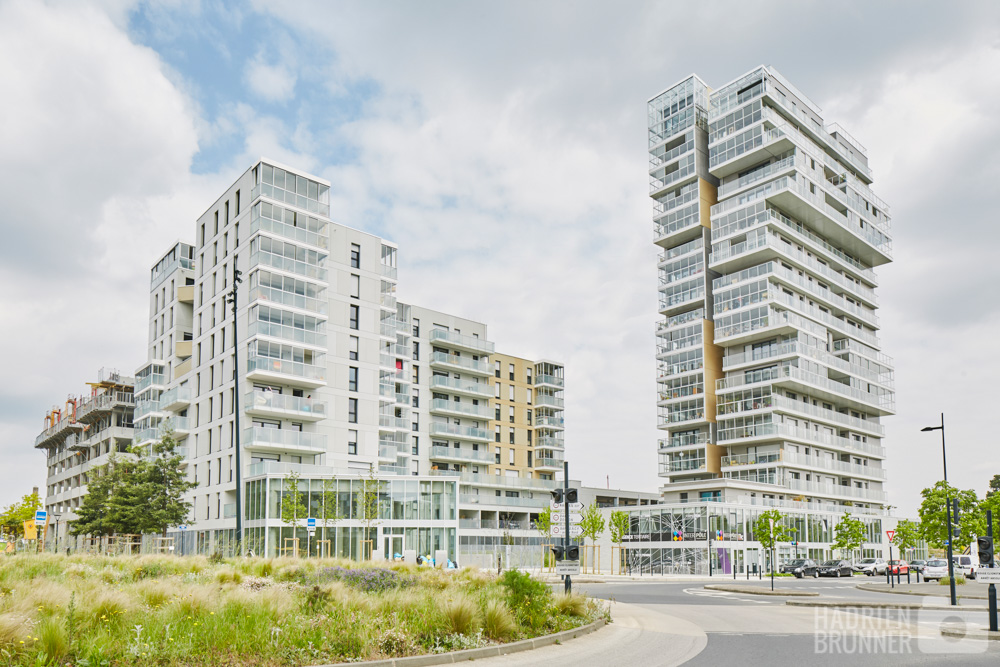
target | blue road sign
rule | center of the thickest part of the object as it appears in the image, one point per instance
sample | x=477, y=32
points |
x=310, y=522
x=40, y=516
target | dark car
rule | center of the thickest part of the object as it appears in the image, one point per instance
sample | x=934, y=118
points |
x=835, y=568
x=917, y=565
x=800, y=567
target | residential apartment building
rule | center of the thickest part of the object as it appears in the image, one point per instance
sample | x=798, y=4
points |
x=771, y=378
x=277, y=347
x=80, y=436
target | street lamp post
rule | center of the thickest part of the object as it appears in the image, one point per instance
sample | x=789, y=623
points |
x=944, y=458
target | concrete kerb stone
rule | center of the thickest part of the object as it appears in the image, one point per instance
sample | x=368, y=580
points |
x=857, y=604
x=479, y=653
x=873, y=588
x=755, y=590
x=970, y=633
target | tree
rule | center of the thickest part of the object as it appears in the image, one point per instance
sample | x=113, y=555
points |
x=14, y=515
x=619, y=526
x=592, y=523
x=768, y=536
x=543, y=523
x=329, y=511
x=160, y=487
x=907, y=536
x=991, y=502
x=933, y=515
x=111, y=504
x=994, y=487
x=366, y=507
x=849, y=535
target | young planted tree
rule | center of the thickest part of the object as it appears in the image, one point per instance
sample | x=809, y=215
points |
x=770, y=529
x=366, y=507
x=848, y=535
x=329, y=511
x=111, y=504
x=619, y=528
x=592, y=523
x=906, y=537
x=293, y=503
x=933, y=515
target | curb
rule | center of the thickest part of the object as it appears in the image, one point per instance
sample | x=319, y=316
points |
x=753, y=590
x=868, y=587
x=971, y=633
x=478, y=653
x=847, y=604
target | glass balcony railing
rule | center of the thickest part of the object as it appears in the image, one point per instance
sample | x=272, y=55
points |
x=299, y=234
x=445, y=383
x=460, y=432
x=546, y=401
x=463, y=363
x=311, y=337
x=288, y=264
x=465, y=409
x=286, y=367
x=271, y=295
x=179, y=395
x=550, y=442
x=278, y=438
x=462, y=453
x=551, y=380
x=153, y=379
x=273, y=401
x=447, y=338
x=549, y=462
x=544, y=421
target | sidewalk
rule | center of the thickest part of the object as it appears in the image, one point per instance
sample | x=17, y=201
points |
x=605, y=578
x=967, y=591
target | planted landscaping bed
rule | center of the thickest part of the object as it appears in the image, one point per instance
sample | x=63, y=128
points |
x=163, y=610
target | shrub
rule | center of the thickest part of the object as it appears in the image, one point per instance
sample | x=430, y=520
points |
x=12, y=629
x=498, y=623
x=53, y=638
x=369, y=580
x=463, y=615
x=959, y=581
x=528, y=598
x=571, y=604
x=155, y=593
x=228, y=576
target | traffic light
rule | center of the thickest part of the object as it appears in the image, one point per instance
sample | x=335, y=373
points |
x=985, y=551
x=571, y=495
x=954, y=513
x=557, y=495
x=571, y=552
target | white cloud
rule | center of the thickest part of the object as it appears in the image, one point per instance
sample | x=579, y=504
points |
x=274, y=82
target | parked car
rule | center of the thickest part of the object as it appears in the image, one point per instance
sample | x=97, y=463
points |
x=935, y=568
x=836, y=568
x=899, y=567
x=801, y=567
x=917, y=565
x=871, y=566
x=965, y=566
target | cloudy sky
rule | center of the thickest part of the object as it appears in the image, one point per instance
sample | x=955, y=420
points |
x=503, y=147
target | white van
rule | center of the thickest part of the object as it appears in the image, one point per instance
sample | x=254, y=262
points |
x=965, y=565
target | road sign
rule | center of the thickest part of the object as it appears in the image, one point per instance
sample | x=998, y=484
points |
x=310, y=523
x=988, y=575
x=558, y=507
x=40, y=516
x=558, y=530
x=560, y=517
x=890, y=534
x=570, y=567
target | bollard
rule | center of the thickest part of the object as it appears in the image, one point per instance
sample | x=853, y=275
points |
x=907, y=576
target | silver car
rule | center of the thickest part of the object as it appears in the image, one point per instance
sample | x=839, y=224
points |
x=871, y=566
x=935, y=569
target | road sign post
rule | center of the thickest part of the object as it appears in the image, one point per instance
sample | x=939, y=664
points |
x=992, y=574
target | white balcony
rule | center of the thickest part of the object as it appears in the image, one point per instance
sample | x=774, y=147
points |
x=316, y=306
x=770, y=432
x=462, y=454
x=550, y=381
x=456, y=432
x=283, y=440
x=447, y=384
x=837, y=491
x=548, y=401
x=550, y=442
x=314, y=338
x=273, y=404
x=819, y=387
x=460, y=364
x=457, y=341
x=176, y=399
x=283, y=371
x=549, y=422
x=458, y=409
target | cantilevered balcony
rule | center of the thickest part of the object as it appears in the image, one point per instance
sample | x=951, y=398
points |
x=445, y=361
x=281, y=440
x=549, y=381
x=458, y=432
x=450, y=385
x=457, y=341
x=275, y=405
x=313, y=338
x=460, y=409
x=461, y=454
x=176, y=399
x=550, y=422
x=283, y=371
x=817, y=386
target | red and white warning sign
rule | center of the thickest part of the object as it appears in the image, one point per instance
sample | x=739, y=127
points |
x=891, y=534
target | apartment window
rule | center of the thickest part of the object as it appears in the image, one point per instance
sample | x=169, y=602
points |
x=352, y=440
x=416, y=327
x=510, y=392
x=497, y=392
x=511, y=456
x=416, y=444
x=529, y=417
x=496, y=435
x=352, y=348
x=352, y=379
x=510, y=414
x=498, y=463
x=355, y=256
x=201, y=238
x=237, y=202
x=528, y=374
x=416, y=397
x=416, y=351
x=355, y=286
x=510, y=371
x=496, y=370
x=352, y=410
x=529, y=437
x=497, y=417
x=510, y=434
x=416, y=374
x=227, y=214
x=216, y=224
x=529, y=459
x=354, y=316
x=528, y=391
